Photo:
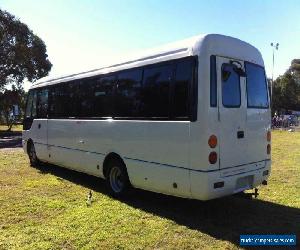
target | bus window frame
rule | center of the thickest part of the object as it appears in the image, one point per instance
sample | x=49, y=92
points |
x=266, y=86
x=192, y=92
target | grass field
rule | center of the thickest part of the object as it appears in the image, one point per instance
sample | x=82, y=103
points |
x=46, y=209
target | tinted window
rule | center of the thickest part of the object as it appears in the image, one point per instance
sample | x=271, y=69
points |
x=73, y=92
x=30, y=112
x=257, y=95
x=127, y=99
x=34, y=102
x=58, y=101
x=64, y=100
x=42, y=103
x=29, y=104
x=87, y=99
x=182, y=83
x=231, y=96
x=103, y=89
x=155, y=91
x=91, y=97
x=213, y=82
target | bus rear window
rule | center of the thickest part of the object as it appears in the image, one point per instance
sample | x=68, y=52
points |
x=257, y=91
x=231, y=92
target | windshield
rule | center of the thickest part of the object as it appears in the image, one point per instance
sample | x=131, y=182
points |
x=257, y=91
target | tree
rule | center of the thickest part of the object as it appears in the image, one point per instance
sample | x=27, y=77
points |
x=22, y=53
x=295, y=66
x=8, y=98
x=286, y=89
x=295, y=69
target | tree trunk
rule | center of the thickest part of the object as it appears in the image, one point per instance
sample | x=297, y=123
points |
x=9, y=123
x=10, y=126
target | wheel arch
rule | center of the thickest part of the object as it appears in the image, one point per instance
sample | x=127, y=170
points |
x=110, y=156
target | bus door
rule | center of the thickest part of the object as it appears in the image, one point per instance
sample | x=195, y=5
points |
x=232, y=112
x=39, y=126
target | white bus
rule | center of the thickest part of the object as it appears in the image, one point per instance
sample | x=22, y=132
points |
x=191, y=119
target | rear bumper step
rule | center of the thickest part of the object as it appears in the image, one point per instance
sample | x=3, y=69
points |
x=240, y=169
x=206, y=186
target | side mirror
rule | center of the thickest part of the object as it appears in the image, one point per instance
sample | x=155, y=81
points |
x=238, y=68
x=240, y=72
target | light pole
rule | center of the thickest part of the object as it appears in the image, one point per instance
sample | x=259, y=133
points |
x=275, y=47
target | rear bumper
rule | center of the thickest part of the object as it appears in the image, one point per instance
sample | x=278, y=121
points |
x=235, y=180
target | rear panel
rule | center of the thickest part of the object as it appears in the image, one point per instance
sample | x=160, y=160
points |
x=243, y=112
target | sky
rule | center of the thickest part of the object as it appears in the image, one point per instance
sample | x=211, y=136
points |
x=87, y=34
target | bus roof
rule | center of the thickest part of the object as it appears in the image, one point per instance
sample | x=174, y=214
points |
x=183, y=48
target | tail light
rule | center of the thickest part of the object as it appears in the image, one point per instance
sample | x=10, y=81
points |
x=269, y=136
x=212, y=141
x=268, y=149
x=213, y=157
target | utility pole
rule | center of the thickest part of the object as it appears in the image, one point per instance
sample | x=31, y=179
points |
x=275, y=47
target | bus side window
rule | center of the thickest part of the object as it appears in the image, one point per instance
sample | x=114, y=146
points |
x=103, y=89
x=73, y=97
x=29, y=104
x=34, y=102
x=155, y=91
x=182, y=84
x=30, y=112
x=42, y=103
x=213, y=82
x=128, y=92
x=86, y=97
x=51, y=103
x=59, y=101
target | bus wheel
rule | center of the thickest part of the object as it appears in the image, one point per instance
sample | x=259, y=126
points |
x=32, y=155
x=117, y=178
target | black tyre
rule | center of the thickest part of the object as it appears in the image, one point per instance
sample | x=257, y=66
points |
x=34, y=161
x=117, y=178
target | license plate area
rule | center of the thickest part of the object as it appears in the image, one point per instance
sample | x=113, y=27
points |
x=244, y=183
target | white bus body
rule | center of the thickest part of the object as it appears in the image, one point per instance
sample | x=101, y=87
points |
x=226, y=97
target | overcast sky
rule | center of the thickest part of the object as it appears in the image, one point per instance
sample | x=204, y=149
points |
x=85, y=34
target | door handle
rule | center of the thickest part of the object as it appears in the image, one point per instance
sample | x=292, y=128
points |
x=39, y=126
x=240, y=134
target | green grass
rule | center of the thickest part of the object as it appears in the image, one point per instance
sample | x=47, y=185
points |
x=46, y=209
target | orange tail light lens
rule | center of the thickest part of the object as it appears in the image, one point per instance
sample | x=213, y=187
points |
x=269, y=136
x=212, y=141
x=269, y=149
x=213, y=157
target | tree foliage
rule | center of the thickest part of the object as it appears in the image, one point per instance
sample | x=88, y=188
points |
x=295, y=69
x=8, y=98
x=286, y=89
x=22, y=53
